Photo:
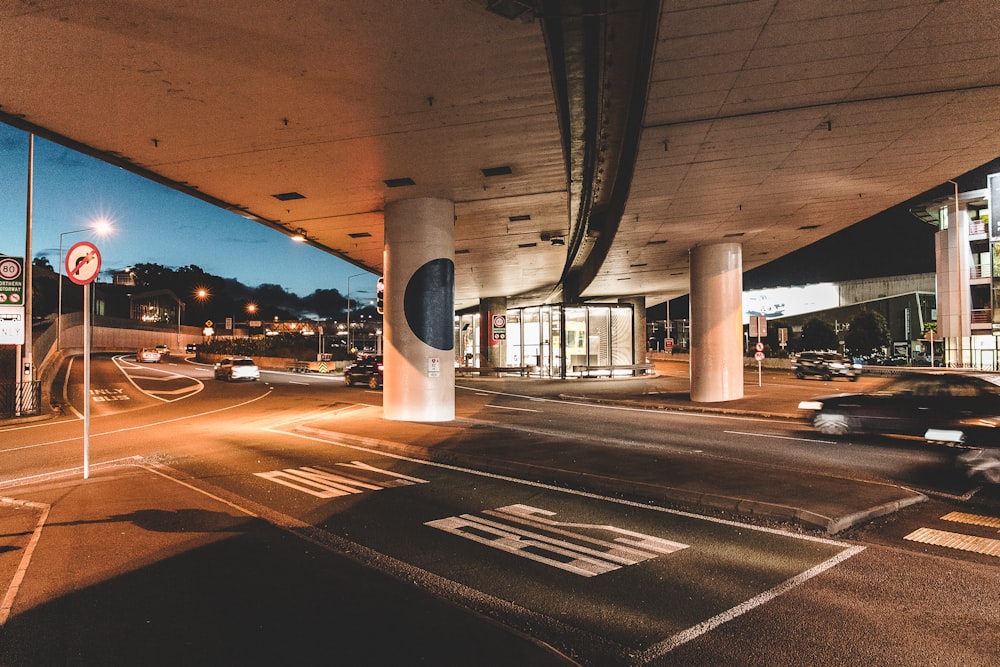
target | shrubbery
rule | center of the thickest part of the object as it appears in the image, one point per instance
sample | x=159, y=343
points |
x=293, y=346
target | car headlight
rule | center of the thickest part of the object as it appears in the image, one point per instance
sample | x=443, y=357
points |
x=811, y=405
x=981, y=422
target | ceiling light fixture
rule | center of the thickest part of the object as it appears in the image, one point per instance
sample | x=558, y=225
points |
x=300, y=235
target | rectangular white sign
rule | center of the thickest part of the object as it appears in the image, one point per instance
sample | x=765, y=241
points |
x=11, y=325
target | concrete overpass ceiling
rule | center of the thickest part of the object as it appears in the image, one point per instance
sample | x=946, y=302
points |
x=239, y=102
x=770, y=122
x=777, y=123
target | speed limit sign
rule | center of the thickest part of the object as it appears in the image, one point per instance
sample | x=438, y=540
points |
x=499, y=327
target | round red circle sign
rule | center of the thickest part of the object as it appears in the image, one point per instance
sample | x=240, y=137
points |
x=83, y=263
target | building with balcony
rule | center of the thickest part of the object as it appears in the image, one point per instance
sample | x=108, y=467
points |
x=967, y=248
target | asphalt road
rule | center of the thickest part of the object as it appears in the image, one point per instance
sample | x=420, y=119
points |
x=249, y=531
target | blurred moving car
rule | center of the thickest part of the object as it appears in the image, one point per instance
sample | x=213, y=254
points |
x=148, y=355
x=954, y=408
x=237, y=368
x=163, y=350
x=191, y=347
x=826, y=365
x=365, y=369
x=982, y=464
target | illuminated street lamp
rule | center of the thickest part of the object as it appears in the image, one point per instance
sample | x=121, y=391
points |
x=100, y=227
x=356, y=275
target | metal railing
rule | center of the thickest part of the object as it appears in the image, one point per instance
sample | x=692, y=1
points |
x=21, y=399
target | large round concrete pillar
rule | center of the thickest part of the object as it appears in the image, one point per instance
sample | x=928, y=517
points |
x=492, y=344
x=716, y=322
x=419, y=354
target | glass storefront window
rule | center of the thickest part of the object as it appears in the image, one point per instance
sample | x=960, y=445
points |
x=552, y=340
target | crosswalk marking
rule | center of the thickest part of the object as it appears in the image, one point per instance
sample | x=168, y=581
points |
x=325, y=482
x=943, y=538
x=529, y=532
x=973, y=519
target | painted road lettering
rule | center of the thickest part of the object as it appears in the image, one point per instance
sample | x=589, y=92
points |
x=107, y=395
x=324, y=482
x=529, y=532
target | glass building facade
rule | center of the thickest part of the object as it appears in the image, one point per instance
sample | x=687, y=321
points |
x=557, y=340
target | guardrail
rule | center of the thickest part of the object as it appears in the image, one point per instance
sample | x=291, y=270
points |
x=588, y=370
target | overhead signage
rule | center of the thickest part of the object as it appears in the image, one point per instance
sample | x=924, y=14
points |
x=11, y=281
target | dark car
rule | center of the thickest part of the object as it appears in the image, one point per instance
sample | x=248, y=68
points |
x=367, y=370
x=825, y=365
x=956, y=408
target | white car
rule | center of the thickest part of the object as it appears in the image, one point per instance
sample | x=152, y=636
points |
x=148, y=355
x=237, y=368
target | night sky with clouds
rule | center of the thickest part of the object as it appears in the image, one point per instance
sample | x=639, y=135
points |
x=152, y=223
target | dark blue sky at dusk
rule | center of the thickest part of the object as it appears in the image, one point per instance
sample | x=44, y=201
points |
x=152, y=224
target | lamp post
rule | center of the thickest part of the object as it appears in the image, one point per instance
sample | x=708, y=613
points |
x=356, y=275
x=101, y=227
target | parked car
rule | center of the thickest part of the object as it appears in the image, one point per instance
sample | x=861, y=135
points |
x=163, y=350
x=955, y=408
x=365, y=369
x=148, y=355
x=237, y=368
x=825, y=365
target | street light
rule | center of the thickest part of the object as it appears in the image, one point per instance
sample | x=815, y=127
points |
x=356, y=275
x=100, y=227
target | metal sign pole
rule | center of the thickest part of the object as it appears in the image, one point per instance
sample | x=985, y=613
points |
x=83, y=264
x=86, y=381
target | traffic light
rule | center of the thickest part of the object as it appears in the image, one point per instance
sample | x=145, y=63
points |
x=380, y=299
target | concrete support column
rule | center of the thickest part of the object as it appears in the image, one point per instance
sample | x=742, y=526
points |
x=419, y=376
x=716, y=322
x=492, y=351
x=638, y=304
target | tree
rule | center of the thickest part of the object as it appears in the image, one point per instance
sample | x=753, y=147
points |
x=326, y=303
x=818, y=335
x=868, y=333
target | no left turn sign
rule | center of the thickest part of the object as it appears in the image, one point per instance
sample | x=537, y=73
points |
x=83, y=263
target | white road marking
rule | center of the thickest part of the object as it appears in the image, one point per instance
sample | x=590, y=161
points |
x=123, y=364
x=570, y=551
x=22, y=568
x=960, y=541
x=620, y=408
x=507, y=407
x=656, y=650
x=139, y=427
x=324, y=482
x=973, y=519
